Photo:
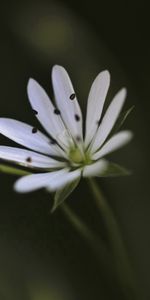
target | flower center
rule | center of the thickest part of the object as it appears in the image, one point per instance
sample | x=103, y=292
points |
x=77, y=157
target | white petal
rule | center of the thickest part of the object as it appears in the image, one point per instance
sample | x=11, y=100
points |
x=28, y=158
x=63, y=180
x=70, y=109
x=22, y=134
x=95, y=169
x=109, y=119
x=34, y=182
x=116, y=142
x=53, y=180
x=45, y=110
x=95, y=104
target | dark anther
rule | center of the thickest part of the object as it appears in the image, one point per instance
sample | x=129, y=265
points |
x=34, y=130
x=98, y=122
x=77, y=117
x=78, y=138
x=53, y=141
x=35, y=112
x=56, y=111
x=29, y=159
x=72, y=96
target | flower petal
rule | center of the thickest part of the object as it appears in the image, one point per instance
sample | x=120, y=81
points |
x=28, y=158
x=116, y=142
x=95, y=169
x=52, y=181
x=34, y=182
x=28, y=136
x=45, y=111
x=109, y=120
x=64, y=179
x=95, y=104
x=66, y=101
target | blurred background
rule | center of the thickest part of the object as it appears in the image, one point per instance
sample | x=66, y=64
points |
x=41, y=255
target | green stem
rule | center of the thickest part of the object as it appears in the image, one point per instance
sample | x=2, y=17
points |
x=123, y=268
x=95, y=243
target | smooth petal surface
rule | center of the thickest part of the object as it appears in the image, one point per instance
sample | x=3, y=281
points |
x=66, y=101
x=95, y=169
x=95, y=104
x=28, y=158
x=45, y=111
x=22, y=134
x=116, y=142
x=53, y=181
x=34, y=182
x=109, y=120
x=61, y=181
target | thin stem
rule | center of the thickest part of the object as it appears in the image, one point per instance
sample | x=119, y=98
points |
x=95, y=243
x=125, y=272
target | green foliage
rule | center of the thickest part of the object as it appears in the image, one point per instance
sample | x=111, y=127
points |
x=122, y=118
x=63, y=193
x=13, y=171
x=114, y=170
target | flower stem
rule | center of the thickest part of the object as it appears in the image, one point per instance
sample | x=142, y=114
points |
x=95, y=243
x=123, y=268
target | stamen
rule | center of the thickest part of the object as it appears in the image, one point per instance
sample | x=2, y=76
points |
x=34, y=130
x=35, y=111
x=78, y=138
x=77, y=117
x=75, y=155
x=72, y=96
x=53, y=141
x=29, y=159
x=98, y=122
x=56, y=111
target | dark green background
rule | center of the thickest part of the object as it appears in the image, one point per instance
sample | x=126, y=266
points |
x=85, y=37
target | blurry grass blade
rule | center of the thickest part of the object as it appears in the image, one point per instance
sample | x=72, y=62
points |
x=63, y=193
x=114, y=170
x=124, y=115
x=122, y=118
x=12, y=170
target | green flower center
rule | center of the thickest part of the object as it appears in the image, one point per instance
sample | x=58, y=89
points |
x=77, y=157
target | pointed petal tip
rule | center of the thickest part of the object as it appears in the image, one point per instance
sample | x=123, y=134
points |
x=105, y=72
x=123, y=92
x=31, y=83
x=105, y=75
x=23, y=186
x=57, y=68
x=127, y=135
x=17, y=188
x=20, y=190
x=130, y=134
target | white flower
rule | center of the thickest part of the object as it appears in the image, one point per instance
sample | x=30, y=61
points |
x=66, y=154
